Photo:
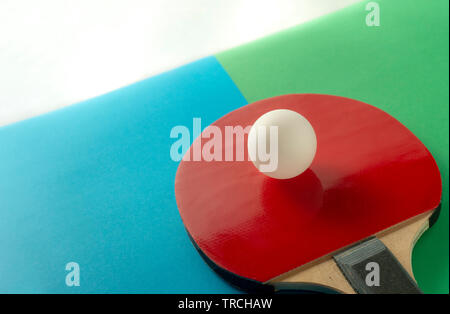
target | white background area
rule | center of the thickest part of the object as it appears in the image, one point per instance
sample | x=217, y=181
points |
x=56, y=52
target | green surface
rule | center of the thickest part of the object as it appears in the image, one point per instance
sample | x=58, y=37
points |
x=400, y=66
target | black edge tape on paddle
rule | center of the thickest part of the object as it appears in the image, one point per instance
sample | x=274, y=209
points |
x=253, y=286
x=434, y=217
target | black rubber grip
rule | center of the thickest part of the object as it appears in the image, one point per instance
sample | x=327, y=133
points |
x=371, y=268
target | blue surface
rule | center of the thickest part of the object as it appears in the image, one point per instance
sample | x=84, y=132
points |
x=94, y=184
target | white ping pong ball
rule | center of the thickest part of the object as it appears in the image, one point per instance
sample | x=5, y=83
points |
x=296, y=144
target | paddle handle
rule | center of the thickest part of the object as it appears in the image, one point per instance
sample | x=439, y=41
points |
x=380, y=264
x=371, y=268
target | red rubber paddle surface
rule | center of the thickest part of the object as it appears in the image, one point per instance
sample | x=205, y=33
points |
x=370, y=173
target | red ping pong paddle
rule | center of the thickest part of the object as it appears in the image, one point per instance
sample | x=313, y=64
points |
x=347, y=224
